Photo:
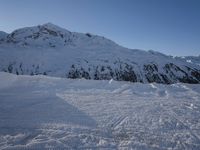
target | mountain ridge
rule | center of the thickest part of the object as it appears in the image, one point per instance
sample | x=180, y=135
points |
x=51, y=50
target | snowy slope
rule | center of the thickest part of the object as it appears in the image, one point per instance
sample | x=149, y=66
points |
x=191, y=59
x=50, y=50
x=42, y=112
x=3, y=35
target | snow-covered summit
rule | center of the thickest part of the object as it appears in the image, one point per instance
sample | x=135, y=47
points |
x=50, y=35
x=51, y=50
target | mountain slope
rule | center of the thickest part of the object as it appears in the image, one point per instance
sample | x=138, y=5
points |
x=3, y=35
x=50, y=50
x=191, y=59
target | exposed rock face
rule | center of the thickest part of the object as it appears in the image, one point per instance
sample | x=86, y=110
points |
x=126, y=73
x=50, y=50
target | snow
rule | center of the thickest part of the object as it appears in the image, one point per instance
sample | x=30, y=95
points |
x=3, y=35
x=191, y=59
x=39, y=112
x=52, y=50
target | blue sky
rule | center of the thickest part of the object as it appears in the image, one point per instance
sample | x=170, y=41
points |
x=169, y=26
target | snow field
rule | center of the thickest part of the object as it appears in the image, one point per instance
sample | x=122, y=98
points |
x=39, y=112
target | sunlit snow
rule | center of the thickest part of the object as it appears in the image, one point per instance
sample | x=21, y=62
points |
x=41, y=112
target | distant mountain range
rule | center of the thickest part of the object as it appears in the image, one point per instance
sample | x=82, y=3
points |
x=50, y=50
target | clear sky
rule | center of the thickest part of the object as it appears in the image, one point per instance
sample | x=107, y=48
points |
x=169, y=26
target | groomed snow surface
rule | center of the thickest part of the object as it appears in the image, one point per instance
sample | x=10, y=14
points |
x=39, y=112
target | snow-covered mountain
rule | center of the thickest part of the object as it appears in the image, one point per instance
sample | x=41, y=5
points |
x=50, y=50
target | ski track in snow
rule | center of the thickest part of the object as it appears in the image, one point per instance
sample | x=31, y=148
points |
x=41, y=112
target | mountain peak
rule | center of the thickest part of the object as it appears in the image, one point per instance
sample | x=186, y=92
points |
x=49, y=24
x=50, y=35
x=52, y=26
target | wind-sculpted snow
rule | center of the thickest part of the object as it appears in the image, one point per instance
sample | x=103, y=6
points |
x=50, y=50
x=42, y=112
